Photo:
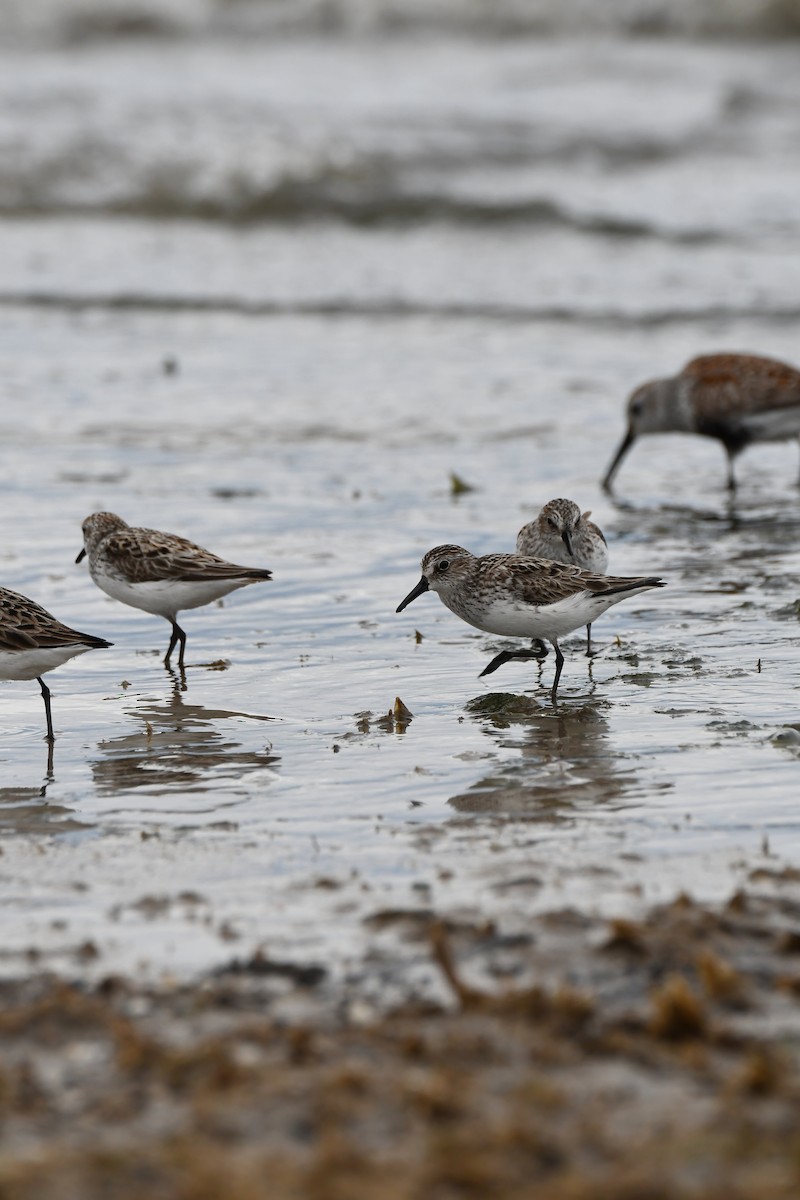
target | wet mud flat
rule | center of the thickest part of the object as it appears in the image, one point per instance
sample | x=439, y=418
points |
x=652, y=1058
x=271, y=935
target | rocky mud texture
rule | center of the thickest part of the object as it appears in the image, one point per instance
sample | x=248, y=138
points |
x=633, y=1059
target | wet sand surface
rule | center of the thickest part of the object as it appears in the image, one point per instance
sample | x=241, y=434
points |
x=331, y=911
x=276, y=781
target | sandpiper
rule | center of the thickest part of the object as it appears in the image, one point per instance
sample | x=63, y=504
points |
x=518, y=596
x=33, y=642
x=160, y=573
x=562, y=533
x=736, y=398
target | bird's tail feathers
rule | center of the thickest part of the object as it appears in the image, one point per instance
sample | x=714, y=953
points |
x=613, y=587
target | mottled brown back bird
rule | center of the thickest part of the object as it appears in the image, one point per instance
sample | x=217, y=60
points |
x=736, y=398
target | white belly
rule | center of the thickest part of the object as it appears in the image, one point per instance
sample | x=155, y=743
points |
x=773, y=425
x=510, y=618
x=167, y=597
x=28, y=664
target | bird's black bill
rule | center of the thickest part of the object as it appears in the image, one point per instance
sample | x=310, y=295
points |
x=81, y=556
x=421, y=587
x=567, y=540
x=627, y=442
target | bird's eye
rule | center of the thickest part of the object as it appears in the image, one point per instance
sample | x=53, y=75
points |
x=443, y=564
x=553, y=524
x=636, y=408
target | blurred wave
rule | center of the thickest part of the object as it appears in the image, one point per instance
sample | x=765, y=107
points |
x=69, y=21
x=599, y=318
x=632, y=141
x=324, y=195
x=149, y=158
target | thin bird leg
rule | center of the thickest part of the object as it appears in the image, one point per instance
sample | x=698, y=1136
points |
x=182, y=637
x=46, y=697
x=731, y=475
x=177, y=636
x=589, y=650
x=507, y=656
x=559, y=665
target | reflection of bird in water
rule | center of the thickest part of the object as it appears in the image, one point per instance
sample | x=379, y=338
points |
x=160, y=573
x=176, y=747
x=26, y=810
x=33, y=641
x=562, y=533
x=565, y=759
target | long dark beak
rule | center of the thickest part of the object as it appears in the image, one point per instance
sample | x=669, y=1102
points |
x=81, y=556
x=421, y=587
x=567, y=540
x=627, y=442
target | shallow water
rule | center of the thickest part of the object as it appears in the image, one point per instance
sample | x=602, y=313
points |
x=295, y=393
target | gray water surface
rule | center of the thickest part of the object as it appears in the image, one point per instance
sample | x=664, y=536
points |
x=270, y=297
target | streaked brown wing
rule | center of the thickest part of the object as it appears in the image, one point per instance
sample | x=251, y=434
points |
x=147, y=555
x=208, y=566
x=742, y=383
x=15, y=639
x=141, y=559
x=536, y=580
x=25, y=625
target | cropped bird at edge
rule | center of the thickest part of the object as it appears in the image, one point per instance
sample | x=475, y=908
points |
x=513, y=595
x=33, y=642
x=160, y=573
x=739, y=399
x=562, y=533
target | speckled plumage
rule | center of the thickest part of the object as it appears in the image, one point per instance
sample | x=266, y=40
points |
x=519, y=596
x=33, y=642
x=562, y=533
x=160, y=573
x=738, y=399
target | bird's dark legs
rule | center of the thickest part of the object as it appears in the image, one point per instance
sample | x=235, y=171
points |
x=507, y=656
x=46, y=697
x=731, y=476
x=589, y=650
x=559, y=665
x=177, y=636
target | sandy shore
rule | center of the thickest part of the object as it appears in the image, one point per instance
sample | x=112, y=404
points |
x=629, y=1059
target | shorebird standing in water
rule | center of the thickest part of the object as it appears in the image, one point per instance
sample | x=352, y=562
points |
x=160, y=573
x=33, y=642
x=516, y=596
x=562, y=533
x=739, y=399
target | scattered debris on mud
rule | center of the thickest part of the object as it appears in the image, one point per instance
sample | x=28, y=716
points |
x=633, y=1059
